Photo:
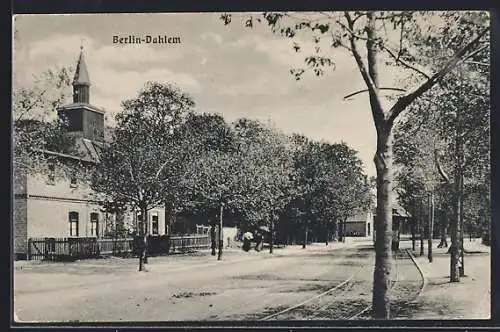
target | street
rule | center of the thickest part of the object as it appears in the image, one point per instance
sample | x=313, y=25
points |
x=234, y=288
x=320, y=282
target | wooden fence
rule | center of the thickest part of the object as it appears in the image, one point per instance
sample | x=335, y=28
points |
x=118, y=246
x=81, y=248
x=180, y=244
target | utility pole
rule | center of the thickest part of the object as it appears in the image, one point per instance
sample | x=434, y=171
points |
x=431, y=226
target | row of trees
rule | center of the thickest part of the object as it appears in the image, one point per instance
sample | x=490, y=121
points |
x=424, y=46
x=442, y=146
x=163, y=153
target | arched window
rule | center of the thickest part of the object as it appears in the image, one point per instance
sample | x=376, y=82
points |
x=94, y=224
x=73, y=223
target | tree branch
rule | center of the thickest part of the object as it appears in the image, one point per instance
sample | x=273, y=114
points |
x=405, y=64
x=404, y=101
x=372, y=88
x=478, y=63
x=366, y=90
x=30, y=107
x=476, y=52
x=441, y=171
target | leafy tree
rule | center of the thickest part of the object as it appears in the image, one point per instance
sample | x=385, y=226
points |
x=408, y=38
x=135, y=166
x=447, y=132
x=266, y=167
x=35, y=125
x=329, y=184
x=209, y=182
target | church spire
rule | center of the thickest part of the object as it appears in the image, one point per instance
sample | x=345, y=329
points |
x=81, y=81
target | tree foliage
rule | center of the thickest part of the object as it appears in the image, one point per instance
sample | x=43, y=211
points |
x=396, y=39
x=35, y=125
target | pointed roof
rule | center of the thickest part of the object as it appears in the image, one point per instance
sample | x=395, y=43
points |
x=81, y=73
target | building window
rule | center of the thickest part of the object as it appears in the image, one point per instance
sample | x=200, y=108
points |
x=73, y=224
x=94, y=224
x=154, y=224
x=52, y=174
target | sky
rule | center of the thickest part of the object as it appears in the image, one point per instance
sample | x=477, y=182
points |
x=230, y=70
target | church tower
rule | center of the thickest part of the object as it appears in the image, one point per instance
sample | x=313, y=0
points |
x=81, y=81
x=85, y=121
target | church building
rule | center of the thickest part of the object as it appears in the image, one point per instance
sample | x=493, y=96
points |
x=61, y=207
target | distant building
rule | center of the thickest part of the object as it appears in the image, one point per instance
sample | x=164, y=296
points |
x=359, y=224
x=49, y=206
x=400, y=224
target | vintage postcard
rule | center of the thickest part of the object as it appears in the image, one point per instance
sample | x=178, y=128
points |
x=251, y=167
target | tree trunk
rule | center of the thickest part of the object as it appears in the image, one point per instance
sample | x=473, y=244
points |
x=213, y=239
x=421, y=227
x=335, y=231
x=413, y=233
x=340, y=230
x=344, y=229
x=145, y=223
x=327, y=234
x=383, y=225
x=119, y=222
x=444, y=231
x=305, y=236
x=461, y=222
x=143, y=234
x=455, y=248
x=169, y=216
x=271, y=240
x=455, y=238
x=221, y=233
x=431, y=226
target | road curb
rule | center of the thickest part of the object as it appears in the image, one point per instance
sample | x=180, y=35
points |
x=421, y=271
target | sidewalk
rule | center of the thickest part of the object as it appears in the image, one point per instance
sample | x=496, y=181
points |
x=467, y=299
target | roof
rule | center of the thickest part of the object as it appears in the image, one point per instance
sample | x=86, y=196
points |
x=90, y=149
x=81, y=74
x=397, y=210
x=82, y=105
x=65, y=155
x=360, y=217
x=86, y=151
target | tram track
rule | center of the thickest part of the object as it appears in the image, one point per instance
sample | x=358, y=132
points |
x=337, y=302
